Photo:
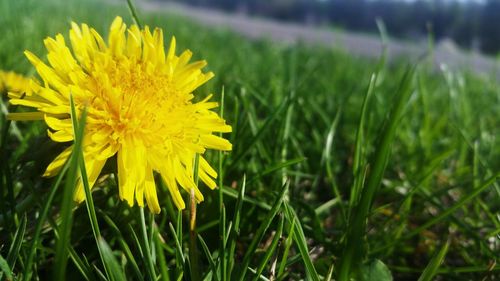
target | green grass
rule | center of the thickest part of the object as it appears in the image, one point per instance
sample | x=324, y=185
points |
x=343, y=168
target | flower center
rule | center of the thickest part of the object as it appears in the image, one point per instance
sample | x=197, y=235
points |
x=135, y=101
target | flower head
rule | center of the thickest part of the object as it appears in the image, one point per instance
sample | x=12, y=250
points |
x=140, y=107
x=13, y=82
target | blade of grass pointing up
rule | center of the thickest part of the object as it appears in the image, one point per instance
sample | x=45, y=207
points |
x=260, y=133
x=125, y=248
x=222, y=213
x=147, y=248
x=13, y=254
x=300, y=240
x=5, y=272
x=270, y=250
x=210, y=259
x=40, y=222
x=431, y=269
x=61, y=259
x=353, y=253
x=79, y=128
x=112, y=264
x=358, y=164
x=161, y=256
x=236, y=227
x=133, y=12
x=261, y=231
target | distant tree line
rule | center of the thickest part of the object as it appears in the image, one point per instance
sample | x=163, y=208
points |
x=471, y=25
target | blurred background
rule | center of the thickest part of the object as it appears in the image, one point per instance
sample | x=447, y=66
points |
x=461, y=31
x=472, y=24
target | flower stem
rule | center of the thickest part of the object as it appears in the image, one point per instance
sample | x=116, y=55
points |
x=193, y=249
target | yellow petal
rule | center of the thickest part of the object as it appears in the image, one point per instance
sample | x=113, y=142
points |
x=56, y=165
x=60, y=136
x=169, y=179
x=125, y=180
x=93, y=167
x=207, y=179
x=150, y=192
x=204, y=166
x=215, y=142
x=171, y=50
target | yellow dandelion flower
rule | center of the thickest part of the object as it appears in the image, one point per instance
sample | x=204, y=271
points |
x=13, y=82
x=140, y=107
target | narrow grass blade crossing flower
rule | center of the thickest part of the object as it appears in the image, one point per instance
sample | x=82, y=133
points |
x=141, y=108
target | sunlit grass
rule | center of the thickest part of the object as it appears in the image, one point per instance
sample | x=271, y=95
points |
x=341, y=166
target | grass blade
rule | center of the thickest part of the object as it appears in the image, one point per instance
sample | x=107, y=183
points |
x=161, y=257
x=13, y=254
x=123, y=244
x=179, y=253
x=222, y=210
x=115, y=271
x=357, y=169
x=147, y=248
x=82, y=265
x=288, y=245
x=353, y=254
x=235, y=232
x=133, y=12
x=277, y=167
x=270, y=250
x=211, y=261
x=5, y=269
x=259, y=234
x=67, y=204
x=41, y=221
x=79, y=128
x=300, y=240
x=260, y=133
x=453, y=208
x=431, y=269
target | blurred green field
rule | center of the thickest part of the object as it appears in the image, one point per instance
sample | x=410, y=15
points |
x=404, y=185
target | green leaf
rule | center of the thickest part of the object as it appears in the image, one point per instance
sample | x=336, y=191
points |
x=375, y=270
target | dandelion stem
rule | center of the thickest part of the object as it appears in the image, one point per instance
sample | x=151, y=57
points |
x=193, y=251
